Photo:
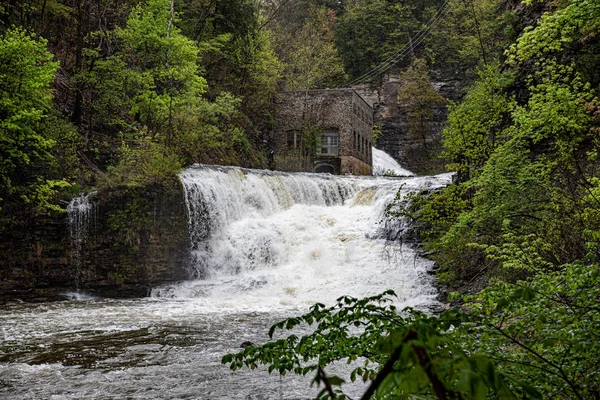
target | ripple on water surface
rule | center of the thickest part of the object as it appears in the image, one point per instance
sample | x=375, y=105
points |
x=284, y=243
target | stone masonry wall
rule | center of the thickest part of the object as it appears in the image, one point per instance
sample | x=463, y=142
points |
x=339, y=110
x=362, y=124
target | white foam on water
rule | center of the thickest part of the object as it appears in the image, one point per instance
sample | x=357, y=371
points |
x=262, y=241
x=384, y=164
x=265, y=246
x=78, y=296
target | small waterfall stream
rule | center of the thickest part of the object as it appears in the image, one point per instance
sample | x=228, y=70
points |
x=263, y=246
x=81, y=217
x=384, y=164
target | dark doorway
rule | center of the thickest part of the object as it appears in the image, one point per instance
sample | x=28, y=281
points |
x=324, y=169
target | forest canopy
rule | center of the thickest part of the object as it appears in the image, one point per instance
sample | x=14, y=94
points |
x=176, y=82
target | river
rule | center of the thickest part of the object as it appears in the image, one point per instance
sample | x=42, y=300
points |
x=263, y=246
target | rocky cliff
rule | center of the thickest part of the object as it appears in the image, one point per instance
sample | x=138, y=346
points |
x=136, y=238
x=416, y=153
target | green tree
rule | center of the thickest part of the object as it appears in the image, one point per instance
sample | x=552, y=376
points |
x=314, y=61
x=164, y=65
x=418, y=98
x=472, y=131
x=237, y=58
x=210, y=132
x=26, y=72
x=471, y=34
x=524, y=143
x=370, y=31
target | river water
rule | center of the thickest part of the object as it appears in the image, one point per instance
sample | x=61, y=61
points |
x=263, y=246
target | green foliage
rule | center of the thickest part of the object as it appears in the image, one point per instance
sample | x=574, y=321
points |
x=438, y=210
x=469, y=34
x=555, y=112
x=473, y=33
x=525, y=340
x=265, y=70
x=110, y=86
x=43, y=195
x=519, y=191
x=370, y=31
x=209, y=132
x=145, y=164
x=558, y=31
x=471, y=132
x=25, y=75
x=26, y=71
x=164, y=63
x=418, y=97
x=523, y=144
x=141, y=81
x=543, y=330
x=237, y=57
x=314, y=61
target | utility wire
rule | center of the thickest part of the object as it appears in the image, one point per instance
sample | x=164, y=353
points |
x=398, y=55
x=404, y=51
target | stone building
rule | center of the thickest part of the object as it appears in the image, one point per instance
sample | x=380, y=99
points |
x=417, y=154
x=328, y=130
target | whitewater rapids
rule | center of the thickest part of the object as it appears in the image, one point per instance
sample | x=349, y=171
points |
x=263, y=246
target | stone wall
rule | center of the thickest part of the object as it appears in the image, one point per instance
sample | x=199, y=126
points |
x=359, y=146
x=137, y=240
x=336, y=110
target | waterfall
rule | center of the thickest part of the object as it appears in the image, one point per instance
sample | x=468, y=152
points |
x=81, y=217
x=384, y=164
x=265, y=246
x=280, y=239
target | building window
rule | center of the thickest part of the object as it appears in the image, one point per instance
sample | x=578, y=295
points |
x=329, y=144
x=292, y=139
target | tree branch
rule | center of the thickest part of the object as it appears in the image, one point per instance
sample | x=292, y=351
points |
x=424, y=362
x=535, y=353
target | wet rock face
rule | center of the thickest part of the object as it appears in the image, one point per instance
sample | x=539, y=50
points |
x=137, y=239
x=417, y=153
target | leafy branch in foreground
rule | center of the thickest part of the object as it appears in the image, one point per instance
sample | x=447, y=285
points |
x=534, y=339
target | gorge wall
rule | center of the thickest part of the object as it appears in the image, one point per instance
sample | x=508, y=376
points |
x=136, y=238
x=413, y=152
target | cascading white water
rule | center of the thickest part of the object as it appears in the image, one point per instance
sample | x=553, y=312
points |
x=265, y=246
x=384, y=164
x=262, y=239
x=81, y=216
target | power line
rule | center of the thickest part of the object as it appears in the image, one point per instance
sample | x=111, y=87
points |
x=404, y=51
x=398, y=55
